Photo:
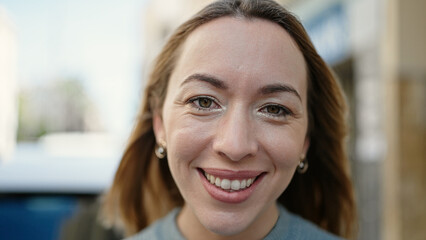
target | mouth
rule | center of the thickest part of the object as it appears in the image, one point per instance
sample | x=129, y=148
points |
x=230, y=186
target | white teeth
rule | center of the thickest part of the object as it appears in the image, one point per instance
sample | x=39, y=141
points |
x=249, y=182
x=227, y=184
x=243, y=184
x=235, y=185
x=217, y=182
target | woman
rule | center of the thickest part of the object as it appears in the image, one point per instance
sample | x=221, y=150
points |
x=237, y=105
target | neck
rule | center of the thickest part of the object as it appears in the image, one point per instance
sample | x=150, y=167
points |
x=192, y=229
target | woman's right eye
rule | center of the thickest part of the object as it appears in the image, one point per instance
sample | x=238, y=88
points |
x=204, y=103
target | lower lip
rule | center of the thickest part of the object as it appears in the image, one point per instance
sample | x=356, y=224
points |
x=229, y=197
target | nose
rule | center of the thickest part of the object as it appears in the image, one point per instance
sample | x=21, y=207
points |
x=235, y=137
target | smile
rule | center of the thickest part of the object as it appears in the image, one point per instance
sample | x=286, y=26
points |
x=227, y=184
x=230, y=186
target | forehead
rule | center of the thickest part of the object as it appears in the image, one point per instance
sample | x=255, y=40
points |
x=236, y=48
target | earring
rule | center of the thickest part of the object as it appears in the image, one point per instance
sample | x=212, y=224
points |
x=160, y=151
x=303, y=165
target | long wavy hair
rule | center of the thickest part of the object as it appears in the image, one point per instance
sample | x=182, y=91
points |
x=144, y=190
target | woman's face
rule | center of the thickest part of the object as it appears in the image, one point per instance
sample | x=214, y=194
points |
x=234, y=122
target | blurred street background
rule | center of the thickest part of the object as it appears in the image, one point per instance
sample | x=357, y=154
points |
x=71, y=78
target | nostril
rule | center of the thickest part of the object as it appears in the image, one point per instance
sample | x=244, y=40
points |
x=235, y=138
x=236, y=154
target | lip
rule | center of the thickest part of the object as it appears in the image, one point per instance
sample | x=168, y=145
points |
x=230, y=174
x=230, y=197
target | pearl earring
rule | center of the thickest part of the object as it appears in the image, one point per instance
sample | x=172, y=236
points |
x=303, y=165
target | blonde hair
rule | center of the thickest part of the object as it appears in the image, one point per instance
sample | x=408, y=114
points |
x=144, y=190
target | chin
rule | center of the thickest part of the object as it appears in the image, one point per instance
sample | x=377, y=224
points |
x=226, y=229
x=225, y=224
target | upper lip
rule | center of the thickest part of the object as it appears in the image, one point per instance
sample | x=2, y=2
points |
x=232, y=174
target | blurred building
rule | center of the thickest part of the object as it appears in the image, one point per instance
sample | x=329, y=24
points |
x=8, y=78
x=378, y=50
x=160, y=21
x=402, y=60
x=61, y=105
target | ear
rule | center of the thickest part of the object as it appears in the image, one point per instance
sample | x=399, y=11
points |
x=159, y=131
x=306, y=146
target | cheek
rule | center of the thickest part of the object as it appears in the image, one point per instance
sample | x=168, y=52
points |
x=284, y=146
x=186, y=140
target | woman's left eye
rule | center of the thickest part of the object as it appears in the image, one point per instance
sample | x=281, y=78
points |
x=276, y=110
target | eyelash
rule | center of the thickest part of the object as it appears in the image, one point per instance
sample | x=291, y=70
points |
x=282, y=113
x=194, y=103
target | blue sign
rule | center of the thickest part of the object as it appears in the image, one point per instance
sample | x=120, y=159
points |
x=329, y=33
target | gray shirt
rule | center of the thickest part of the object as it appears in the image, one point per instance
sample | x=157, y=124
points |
x=287, y=227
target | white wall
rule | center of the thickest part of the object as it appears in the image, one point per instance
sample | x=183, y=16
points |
x=8, y=78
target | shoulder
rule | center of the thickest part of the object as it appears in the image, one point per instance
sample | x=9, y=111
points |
x=164, y=228
x=291, y=226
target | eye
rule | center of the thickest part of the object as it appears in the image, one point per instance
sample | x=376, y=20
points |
x=276, y=110
x=204, y=103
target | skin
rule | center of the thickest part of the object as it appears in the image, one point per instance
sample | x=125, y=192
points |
x=233, y=124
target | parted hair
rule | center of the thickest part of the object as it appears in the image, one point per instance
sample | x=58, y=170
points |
x=143, y=189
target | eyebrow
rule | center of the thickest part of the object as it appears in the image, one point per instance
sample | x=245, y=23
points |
x=217, y=83
x=278, y=87
x=206, y=78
